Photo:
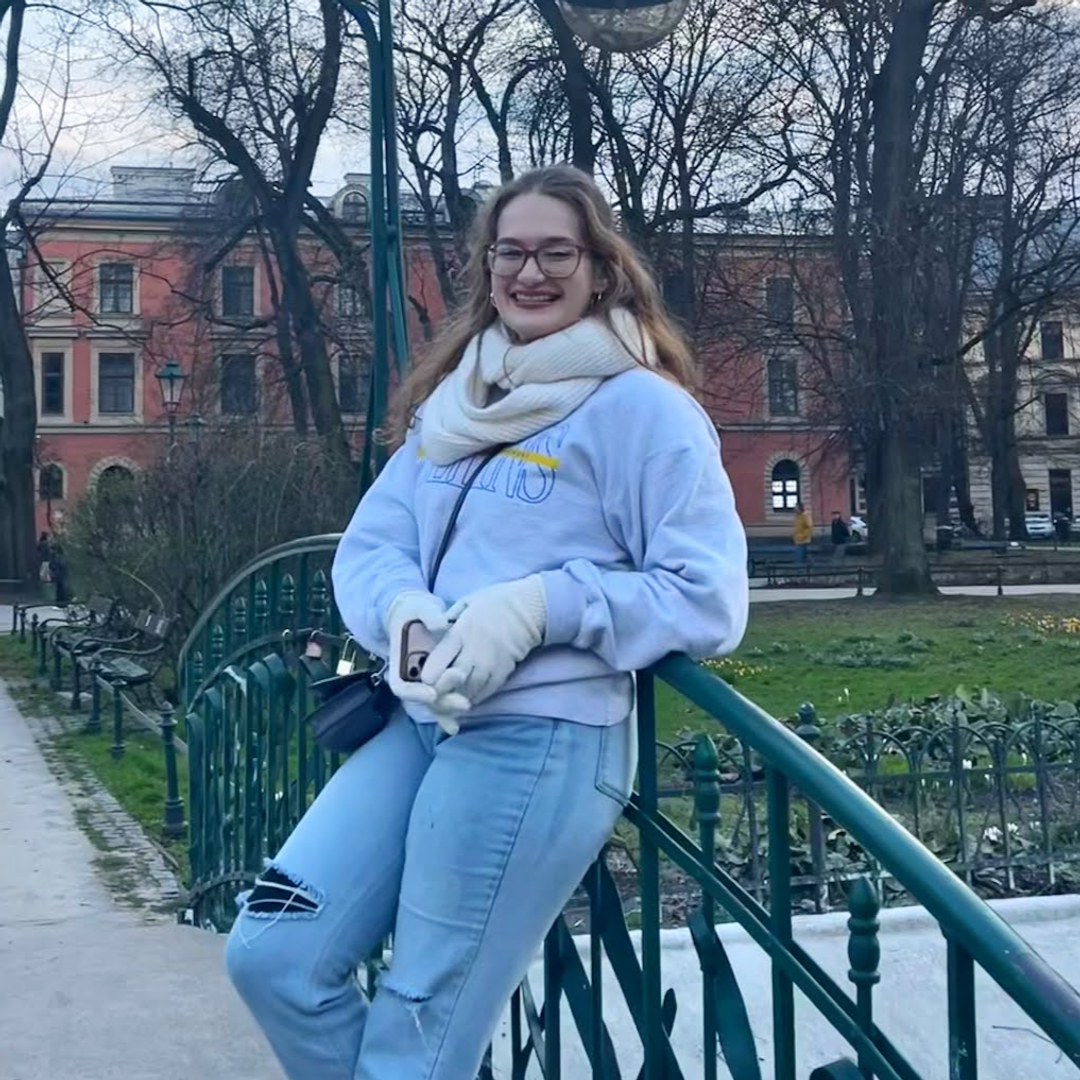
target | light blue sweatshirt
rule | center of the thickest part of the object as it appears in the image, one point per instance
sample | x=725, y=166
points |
x=624, y=510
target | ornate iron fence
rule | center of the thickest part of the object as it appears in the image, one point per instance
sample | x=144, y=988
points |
x=253, y=771
x=999, y=803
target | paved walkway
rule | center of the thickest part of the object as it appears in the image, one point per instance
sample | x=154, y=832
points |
x=90, y=990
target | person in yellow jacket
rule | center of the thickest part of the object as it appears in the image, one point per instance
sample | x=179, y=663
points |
x=802, y=533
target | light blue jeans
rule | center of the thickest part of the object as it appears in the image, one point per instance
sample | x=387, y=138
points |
x=467, y=848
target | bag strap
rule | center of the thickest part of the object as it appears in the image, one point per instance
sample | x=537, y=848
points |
x=448, y=531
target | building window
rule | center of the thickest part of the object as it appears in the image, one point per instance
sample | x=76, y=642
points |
x=1031, y=502
x=1056, y=408
x=52, y=384
x=354, y=207
x=116, y=383
x=50, y=291
x=1053, y=340
x=237, y=290
x=50, y=483
x=785, y=486
x=352, y=384
x=238, y=396
x=1061, y=492
x=116, y=288
x=783, y=387
x=348, y=301
x=780, y=301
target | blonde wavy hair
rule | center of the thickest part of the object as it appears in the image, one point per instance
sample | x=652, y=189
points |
x=620, y=272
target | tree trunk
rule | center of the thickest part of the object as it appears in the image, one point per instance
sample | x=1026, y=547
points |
x=298, y=301
x=905, y=566
x=575, y=86
x=905, y=569
x=18, y=556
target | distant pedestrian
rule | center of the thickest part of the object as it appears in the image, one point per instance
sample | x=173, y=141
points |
x=44, y=555
x=841, y=536
x=59, y=572
x=802, y=533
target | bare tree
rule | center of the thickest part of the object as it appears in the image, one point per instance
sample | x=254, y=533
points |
x=257, y=80
x=33, y=119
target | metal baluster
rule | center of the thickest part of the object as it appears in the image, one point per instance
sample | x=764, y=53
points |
x=864, y=955
x=963, y=1061
x=653, y=1033
x=707, y=808
x=779, y=796
x=552, y=1006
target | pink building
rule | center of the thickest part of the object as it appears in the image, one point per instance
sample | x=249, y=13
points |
x=125, y=288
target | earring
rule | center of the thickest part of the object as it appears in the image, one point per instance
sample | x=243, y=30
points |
x=597, y=297
x=491, y=297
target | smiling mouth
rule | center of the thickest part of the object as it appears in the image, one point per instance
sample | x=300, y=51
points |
x=534, y=299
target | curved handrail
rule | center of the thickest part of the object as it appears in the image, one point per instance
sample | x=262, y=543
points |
x=305, y=545
x=1050, y=1000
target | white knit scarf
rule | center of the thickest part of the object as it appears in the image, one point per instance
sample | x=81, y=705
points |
x=545, y=380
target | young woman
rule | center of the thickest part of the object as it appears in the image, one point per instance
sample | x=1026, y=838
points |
x=603, y=537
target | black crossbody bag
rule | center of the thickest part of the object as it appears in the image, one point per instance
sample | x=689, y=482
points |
x=354, y=708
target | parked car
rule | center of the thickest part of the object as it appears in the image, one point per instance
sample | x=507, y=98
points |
x=1040, y=525
x=859, y=531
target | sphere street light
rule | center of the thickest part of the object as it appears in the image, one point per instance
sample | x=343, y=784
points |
x=623, y=25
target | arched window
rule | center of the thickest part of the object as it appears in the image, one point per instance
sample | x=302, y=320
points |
x=50, y=483
x=354, y=207
x=785, y=486
x=116, y=474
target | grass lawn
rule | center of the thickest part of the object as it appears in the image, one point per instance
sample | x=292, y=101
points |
x=852, y=655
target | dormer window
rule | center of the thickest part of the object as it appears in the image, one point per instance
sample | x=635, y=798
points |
x=354, y=207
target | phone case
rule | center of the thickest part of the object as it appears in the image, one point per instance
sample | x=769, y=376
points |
x=416, y=645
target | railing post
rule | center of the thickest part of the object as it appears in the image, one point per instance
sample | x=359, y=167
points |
x=963, y=1062
x=57, y=671
x=707, y=808
x=22, y=625
x=117, y=748
x=809, y=732
x=864, y=955
x=93, y=725
x=43, y=655
x=34, y=635
x=859, y=582
x=76, y=683
x=1000, y=579
x=174, y=806
x=783, y=996
x=653, y=1032
x=15, y=618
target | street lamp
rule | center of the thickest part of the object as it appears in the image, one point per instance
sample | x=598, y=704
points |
x=614, y=25
x=171, y=381
x=623, y=25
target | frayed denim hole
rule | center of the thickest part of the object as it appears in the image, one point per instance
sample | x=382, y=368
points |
x=278, y=895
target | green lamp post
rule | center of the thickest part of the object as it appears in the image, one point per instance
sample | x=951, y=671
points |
x=612, y=25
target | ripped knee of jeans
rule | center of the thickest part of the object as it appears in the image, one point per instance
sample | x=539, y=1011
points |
x=277, y=895
x=278, y=892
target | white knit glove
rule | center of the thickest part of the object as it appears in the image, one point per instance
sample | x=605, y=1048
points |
x=491, y=632
x=431, y=611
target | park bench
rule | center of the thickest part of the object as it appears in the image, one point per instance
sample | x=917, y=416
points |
x=78, y=632
x=123, y=665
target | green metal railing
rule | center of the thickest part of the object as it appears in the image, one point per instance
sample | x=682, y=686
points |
x=245, y=673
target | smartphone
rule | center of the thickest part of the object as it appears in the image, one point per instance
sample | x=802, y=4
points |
x=416, y=645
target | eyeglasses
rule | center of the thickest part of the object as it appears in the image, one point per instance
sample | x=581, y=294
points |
x=559, y=259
